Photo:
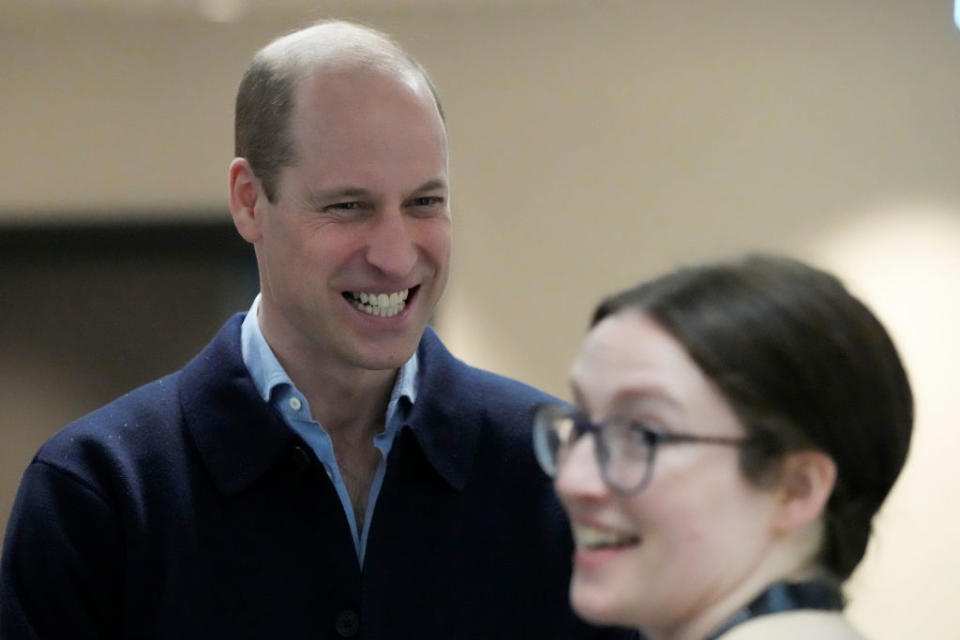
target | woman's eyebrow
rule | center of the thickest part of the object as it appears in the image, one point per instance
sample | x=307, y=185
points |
x=629, y=399
x=633, y=398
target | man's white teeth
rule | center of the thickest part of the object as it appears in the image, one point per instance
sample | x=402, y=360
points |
x=384, y=305
x=599, y=538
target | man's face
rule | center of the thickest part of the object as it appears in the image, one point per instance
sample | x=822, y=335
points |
x=354, y=253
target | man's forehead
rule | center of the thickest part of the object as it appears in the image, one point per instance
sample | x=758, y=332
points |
x=354, y=127
x=345, y=98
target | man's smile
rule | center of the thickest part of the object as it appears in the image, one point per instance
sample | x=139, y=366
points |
x=384, y=305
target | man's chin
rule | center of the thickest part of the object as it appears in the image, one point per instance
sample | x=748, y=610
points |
x=388, y=356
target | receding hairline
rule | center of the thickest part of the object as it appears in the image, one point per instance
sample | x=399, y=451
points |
x=340, y=46
x=274, y=81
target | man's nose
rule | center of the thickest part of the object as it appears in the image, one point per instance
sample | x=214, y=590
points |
x=578, y=474
x=392, y=246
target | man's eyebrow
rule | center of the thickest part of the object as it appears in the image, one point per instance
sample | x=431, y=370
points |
x=324, y=197
x=431, y=185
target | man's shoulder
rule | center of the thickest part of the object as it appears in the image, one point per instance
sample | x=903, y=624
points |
x=146, y=421
x=465, y=384
x=116, y=430
x=510, y=391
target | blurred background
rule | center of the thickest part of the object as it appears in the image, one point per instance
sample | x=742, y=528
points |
x=594, y=143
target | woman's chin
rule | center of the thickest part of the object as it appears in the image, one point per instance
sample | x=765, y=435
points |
x=598, y=605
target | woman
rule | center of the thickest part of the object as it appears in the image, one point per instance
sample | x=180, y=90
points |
x=737, y=427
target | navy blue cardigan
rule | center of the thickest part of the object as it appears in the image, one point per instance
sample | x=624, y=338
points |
x=188, y=509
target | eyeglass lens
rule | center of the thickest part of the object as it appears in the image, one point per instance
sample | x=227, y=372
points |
x=622, y=451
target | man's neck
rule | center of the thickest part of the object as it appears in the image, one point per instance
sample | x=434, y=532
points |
x=344, y=399
x=350, y=409
x=351, y=403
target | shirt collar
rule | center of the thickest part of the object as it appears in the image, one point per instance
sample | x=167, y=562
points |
x=446, y=432
x=240, y=437
x=268, y=374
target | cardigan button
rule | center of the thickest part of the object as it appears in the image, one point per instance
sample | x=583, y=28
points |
x=300, y=459
x=295, y=465
x=348, y=623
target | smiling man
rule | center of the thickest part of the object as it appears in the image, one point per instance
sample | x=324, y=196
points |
x=324, y=467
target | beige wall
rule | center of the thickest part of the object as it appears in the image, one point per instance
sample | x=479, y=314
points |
x=594, y=144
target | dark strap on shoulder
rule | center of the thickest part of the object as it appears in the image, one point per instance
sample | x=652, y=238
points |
x=786, y=596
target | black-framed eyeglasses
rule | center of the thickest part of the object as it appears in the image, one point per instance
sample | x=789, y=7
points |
x=625, y=449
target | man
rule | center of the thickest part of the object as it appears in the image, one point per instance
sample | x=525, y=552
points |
x=324, y=467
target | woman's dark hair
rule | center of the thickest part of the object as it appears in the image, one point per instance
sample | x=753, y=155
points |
x=804, y=364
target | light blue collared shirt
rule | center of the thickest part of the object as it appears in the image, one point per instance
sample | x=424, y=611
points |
x=276, y=388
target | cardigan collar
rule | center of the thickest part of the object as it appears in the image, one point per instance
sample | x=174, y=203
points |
x=240, y=436
x=440, y=420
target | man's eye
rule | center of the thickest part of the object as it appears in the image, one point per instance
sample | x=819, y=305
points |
x=426, y=206
x=345, y=206
x=348, y=210
x=427, y=201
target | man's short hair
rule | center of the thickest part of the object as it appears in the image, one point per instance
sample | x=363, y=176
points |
x=265, y=97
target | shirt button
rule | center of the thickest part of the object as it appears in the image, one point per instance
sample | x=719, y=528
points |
x=348, y=623
x=295, y=403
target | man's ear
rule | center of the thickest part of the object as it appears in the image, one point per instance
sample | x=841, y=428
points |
x=244, y=192
x=806, y=482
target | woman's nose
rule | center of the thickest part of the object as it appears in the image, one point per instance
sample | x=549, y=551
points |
x=578, y=474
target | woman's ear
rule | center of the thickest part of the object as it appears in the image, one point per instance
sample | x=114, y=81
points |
x=806, y=482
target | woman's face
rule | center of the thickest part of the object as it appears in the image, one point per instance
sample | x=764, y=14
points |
x=666, y=555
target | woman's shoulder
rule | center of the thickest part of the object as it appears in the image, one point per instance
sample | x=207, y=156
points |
x=802, y=625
